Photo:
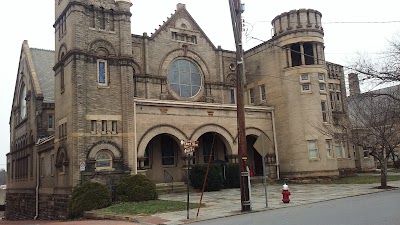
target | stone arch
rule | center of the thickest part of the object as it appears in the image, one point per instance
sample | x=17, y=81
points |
x=101, y=145
x=254, y=131
x=184, y=53
x=62, y=157
x=62, y=52
x=225, y=135
x=103, y=45
x=231, y=79
x=173, y=131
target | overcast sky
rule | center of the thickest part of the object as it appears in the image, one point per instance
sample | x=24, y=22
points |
x=33, y=21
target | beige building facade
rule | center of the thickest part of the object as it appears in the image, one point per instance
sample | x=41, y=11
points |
x=109, y=103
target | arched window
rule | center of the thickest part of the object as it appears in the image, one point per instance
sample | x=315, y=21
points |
x=62, y=166
x=104, y=160
x=23, y=102
x=184, y=78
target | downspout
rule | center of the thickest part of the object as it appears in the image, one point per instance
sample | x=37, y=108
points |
x=37, y=186
x=135, y=152
x=275, y=144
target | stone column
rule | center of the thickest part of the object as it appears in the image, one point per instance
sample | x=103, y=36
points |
x=303, y=61
x=314, y=48
x=288, y=56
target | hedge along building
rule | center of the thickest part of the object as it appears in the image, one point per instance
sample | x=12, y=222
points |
x=120, y=104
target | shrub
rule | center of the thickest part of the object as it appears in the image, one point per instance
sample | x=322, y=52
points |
x=214, y=180
x=87, y=197
x=232, y=174
x=136, y=188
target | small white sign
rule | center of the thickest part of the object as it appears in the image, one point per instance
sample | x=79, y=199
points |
x=82, y=166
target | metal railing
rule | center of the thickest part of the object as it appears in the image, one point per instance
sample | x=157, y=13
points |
x=171, y=177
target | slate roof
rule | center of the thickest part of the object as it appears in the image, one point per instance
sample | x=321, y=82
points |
x=364, y=100
x=43, y=61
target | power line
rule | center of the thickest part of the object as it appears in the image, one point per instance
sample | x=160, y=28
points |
x=337, y=22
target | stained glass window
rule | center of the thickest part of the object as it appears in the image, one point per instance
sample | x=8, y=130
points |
x=102, y=72
x=103, y=160
x=184, y=78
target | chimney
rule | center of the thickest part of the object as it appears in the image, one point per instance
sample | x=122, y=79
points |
x=180, y=5
x=354, y=84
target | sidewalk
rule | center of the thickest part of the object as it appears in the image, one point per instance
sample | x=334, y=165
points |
x=227, y=202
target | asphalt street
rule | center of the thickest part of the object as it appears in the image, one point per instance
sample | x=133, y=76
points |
x=381, y=208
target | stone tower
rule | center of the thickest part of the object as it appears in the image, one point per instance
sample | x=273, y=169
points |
x=93, y=86
x=303, y=100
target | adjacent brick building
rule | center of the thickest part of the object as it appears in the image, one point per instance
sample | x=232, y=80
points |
x=112, y=103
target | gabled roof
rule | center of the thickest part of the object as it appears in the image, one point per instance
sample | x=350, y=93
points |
x=43, y=61
x=182, y=8
x=39, y=64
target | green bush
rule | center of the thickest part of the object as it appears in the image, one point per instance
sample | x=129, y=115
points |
x=87, y=197
x=136, y=188
x=214, y=180
x=232, y=176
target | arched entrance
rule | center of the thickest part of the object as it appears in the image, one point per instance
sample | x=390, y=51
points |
x=162, y=158
x=211, y=146
x=254, y=158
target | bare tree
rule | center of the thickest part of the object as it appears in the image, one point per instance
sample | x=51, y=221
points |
x=382, y=69
x=374, y=124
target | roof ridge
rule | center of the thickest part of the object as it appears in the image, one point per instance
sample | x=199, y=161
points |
x=42, y=49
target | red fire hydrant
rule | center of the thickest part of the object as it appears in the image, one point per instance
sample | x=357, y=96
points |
x=285, y=194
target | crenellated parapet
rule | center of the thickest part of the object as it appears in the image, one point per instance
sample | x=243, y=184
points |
x=297, y=20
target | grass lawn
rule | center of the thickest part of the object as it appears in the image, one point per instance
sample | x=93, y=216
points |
x=148, y=207
x=364, y=179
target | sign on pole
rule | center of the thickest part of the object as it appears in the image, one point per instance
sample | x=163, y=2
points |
x=82, y=166
x=262, y=144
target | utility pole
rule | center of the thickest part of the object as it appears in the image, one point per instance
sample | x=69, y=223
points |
x=237, y=9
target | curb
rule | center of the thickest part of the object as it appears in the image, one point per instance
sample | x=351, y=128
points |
x=142, y=219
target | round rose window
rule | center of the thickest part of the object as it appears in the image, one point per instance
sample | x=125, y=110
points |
x=184, y=78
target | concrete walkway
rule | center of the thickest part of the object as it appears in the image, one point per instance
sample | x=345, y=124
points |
x=227, y=202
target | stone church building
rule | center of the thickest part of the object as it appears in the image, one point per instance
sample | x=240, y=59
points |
x=107, y=103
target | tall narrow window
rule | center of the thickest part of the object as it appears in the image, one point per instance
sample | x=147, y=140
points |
x=65, y=24
x=61, y=28
x=328, y=144
x=102, y=19
x=295, y=54
x=92, y=16
x=104, y=126
x=233, y=96
x=262, y=93
x=251, y=95
x=308, y=53
x=23, y=102
x=339, y=102
x=93, y=127
x=167, y=150
x=324, y=113
x=102, y=72
x=50, y=122
x=114, y=126
x=312, y=149
x=112, y=20
x=52, y=165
